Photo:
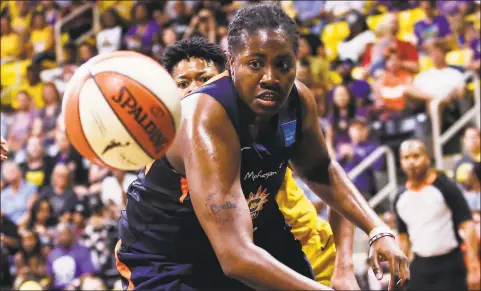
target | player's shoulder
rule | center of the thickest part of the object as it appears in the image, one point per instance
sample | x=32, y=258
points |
x=308, y=104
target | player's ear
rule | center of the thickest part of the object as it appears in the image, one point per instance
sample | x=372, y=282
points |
x=230, y=64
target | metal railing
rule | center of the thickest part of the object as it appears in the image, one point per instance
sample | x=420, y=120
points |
x=72, y=16
x=391, y=186
x=440, y=139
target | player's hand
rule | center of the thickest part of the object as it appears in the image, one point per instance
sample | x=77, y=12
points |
x=387, y=249
x=3, y=149
x=343, y=278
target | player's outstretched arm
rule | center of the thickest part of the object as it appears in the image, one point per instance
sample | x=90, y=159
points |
x=329, y=181
x=211, y=154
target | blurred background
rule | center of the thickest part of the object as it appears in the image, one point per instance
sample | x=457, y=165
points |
x=382, y=72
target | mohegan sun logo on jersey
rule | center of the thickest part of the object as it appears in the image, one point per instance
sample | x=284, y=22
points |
x=256, y=201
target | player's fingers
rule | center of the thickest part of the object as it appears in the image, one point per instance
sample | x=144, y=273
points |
x=394, y=262
x=3, y=158
x=404, y=270
x=375, y=266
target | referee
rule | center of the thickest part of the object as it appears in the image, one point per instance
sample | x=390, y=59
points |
x=430, y=212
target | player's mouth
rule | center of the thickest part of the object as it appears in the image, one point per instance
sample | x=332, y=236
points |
x=268, y=99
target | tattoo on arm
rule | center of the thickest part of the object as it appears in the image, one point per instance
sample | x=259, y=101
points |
x=215, y=208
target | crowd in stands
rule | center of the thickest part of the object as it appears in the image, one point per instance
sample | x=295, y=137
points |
x=373, y=66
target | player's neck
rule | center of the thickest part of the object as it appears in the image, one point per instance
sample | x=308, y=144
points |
x=258, y=125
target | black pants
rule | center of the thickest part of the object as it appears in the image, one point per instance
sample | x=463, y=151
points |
x=446, y=272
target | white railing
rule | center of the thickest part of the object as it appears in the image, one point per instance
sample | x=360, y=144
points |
x=59, y=24
x=440, y=139
x=18, y=80
x=391, y=186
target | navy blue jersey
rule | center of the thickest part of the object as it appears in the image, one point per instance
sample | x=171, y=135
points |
x=159, y=210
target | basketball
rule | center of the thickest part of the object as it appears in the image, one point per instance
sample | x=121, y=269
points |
x=121, y=110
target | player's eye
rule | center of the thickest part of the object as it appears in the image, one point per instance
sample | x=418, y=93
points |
x=182, y=84
x=205, y=79
x=255, y=64
x=285, y=65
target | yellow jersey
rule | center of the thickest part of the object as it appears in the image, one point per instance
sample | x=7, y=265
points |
x=308, y=228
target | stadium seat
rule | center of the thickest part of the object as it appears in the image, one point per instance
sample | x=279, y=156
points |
x=459, y=57
x=408, y=18
x=335, y=32
x=374, y=21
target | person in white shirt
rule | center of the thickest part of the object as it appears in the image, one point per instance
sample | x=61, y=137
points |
x=440, y=82
x=109, y=39
x=115, y=186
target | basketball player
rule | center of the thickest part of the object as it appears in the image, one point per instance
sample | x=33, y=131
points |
x=192, y=62
x=238, y=134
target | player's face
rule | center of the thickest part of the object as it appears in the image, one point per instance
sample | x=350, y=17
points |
x=264, y=70
x=414, y=160
x=192, y=73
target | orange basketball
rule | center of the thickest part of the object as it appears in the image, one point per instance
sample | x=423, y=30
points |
x=121, y=110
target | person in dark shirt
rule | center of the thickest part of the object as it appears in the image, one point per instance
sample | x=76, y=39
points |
x=351, y=154
x=59, y=192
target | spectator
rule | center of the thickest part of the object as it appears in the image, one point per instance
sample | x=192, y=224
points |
x=18, y=196
x=472, y=154
x=80, y=214
x=92, y=283
x=389, y=91
x=37, y=167
x=51, y=10
x=100, y=237
x=109, y=39
x=85, y=51
x=21, y=19
x=11, y=44
x=114, y=188
x=309, y=45
x=354, y=46
x=472, y=189
x=60, y=192
x=202, y=25
x=375, y=56
x=41, y=42
x=440, y=82
x=163, y=39
x=304, y=74
x=430, y=210
x=29, y=261
x=69, y=260
x=140, y=36
x=359, y=88
x=434, y=27
x=71, y=157
x=33, y=86
x=350, y=154
x=41, y=221
x=46, y=121
x=8, y=234
x=472, y=41
x=20, y=122
x=343, y=112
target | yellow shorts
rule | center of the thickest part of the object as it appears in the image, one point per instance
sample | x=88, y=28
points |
x=314, y=233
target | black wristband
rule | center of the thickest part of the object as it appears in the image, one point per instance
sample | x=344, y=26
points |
x=378, y=236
